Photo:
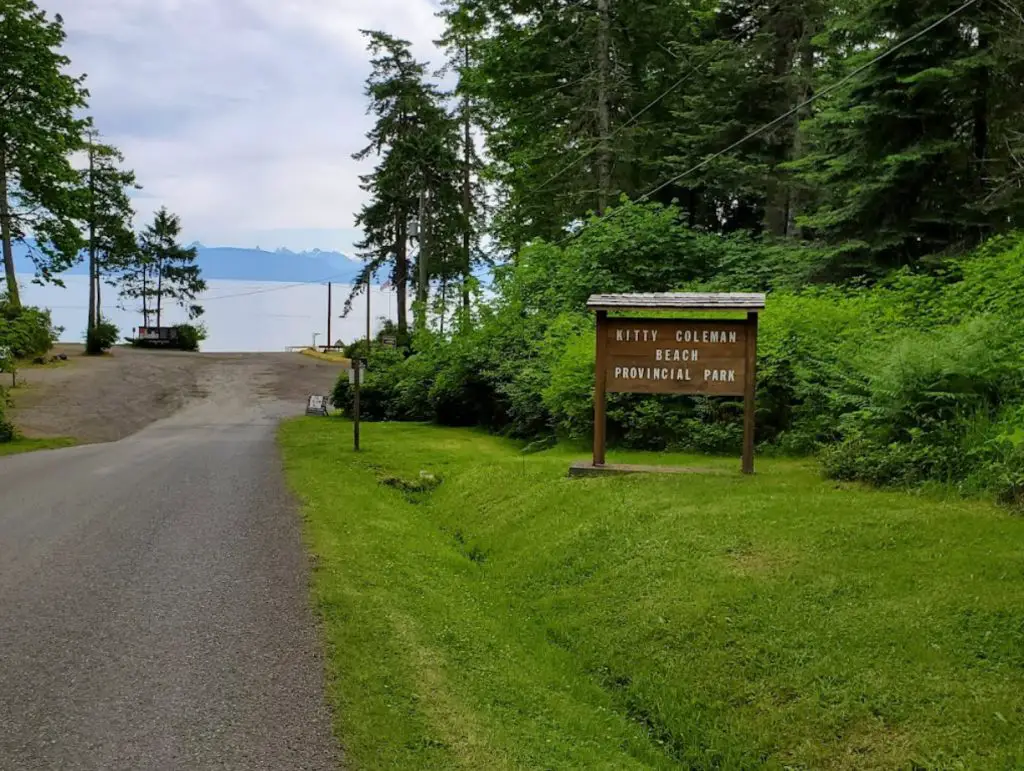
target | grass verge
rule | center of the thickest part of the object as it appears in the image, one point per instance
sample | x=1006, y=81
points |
x=509, y=617
x=32, y=445
x=337, y=358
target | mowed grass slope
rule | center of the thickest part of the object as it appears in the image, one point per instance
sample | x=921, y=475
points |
x=513, y=618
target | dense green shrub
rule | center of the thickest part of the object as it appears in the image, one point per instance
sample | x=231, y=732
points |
x=101, y=338
x=28, y=332
x=914, y=378
x=7, y=431
x=190, y=336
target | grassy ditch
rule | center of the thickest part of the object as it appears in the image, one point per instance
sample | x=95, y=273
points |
x=483, y=611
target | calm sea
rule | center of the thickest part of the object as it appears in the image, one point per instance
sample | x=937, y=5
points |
x=240, y=315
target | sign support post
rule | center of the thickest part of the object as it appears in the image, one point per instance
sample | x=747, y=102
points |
x=660, y=355
x=750, y=394
x=355, y=403
x=600, y=389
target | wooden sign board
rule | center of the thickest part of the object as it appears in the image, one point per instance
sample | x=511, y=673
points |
x=670, y=356
x=707, y=357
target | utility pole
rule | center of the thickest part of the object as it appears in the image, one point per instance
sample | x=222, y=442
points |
x=329, y=338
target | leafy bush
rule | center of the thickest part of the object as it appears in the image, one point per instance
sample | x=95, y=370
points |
x=7, y=431
x=913, y=378
x=101, y=338
x=28, y=332
x=190, y=336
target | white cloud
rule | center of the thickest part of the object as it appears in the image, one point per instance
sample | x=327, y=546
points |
x=240, y=115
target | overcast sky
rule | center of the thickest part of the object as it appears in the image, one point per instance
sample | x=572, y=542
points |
x=240, y=115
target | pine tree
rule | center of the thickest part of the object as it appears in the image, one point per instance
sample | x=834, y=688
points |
x=162, y=269
x=416, y=142
x=464, y=26
x=108, y=217
x=905, y=154
x=38, y=131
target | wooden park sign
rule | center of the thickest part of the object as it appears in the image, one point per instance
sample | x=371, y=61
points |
x=712, y=357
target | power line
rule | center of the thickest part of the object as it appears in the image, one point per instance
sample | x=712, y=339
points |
x=686, y=76
x=787, y=114
x=266, y=290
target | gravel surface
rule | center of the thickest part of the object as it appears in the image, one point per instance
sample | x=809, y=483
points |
x=154, y=605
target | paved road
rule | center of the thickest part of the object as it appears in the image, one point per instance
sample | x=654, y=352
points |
x=154, y=607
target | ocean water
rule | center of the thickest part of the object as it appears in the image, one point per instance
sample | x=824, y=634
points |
x=240, y=315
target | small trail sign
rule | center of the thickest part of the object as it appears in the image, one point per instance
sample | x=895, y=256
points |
x=657, y=355
x=316, y=405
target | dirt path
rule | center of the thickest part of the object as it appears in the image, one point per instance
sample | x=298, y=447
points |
x=103, y=399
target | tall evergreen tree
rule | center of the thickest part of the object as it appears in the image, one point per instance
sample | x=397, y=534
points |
x=464, y=26
x=415, y=141
x=906, y=153
x=38, y=132
x=108, y=213
x=163, y=270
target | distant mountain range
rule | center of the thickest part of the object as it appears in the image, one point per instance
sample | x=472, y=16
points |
x=228, y=262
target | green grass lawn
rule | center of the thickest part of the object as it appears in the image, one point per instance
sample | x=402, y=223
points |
x=31, y=445
x=514, y=618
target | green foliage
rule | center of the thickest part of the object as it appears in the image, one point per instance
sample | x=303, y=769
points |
x=40, y=126
x=190, y=336
x=893, y=382
x=162, y=270
x=7, y=431
x=510, y=618
x=101, y=338
x=28, y=332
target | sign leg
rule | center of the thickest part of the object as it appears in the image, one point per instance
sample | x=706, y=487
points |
x=355, y=403
x=750, y=395
x=600, y=386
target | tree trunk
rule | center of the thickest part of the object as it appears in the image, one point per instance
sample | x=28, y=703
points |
x=401, y=278
x=423, y=264
x=778, y=200
x=92, y=321
x=604, y=67
x=6, y=234
x=467, y=195
x=159, y=291
x=145, y=297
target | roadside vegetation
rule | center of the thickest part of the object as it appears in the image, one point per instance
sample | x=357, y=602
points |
x=484, y=611
x=20, y=445
x=67, y=195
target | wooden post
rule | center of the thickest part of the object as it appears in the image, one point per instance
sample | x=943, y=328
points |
x=329, y=338
x=749, y=395
x=355, y=403
x=600, y=383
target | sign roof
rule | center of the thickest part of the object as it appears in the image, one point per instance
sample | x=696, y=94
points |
x=692, y=301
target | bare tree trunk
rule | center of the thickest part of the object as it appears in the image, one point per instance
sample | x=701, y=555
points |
x=604, y=68
x=422, y=285
x=401, y=277
x=92, y=321
x=778, y=199
x=467, y=194
x=6, y=235
x=145, y=296
x=159, y=291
